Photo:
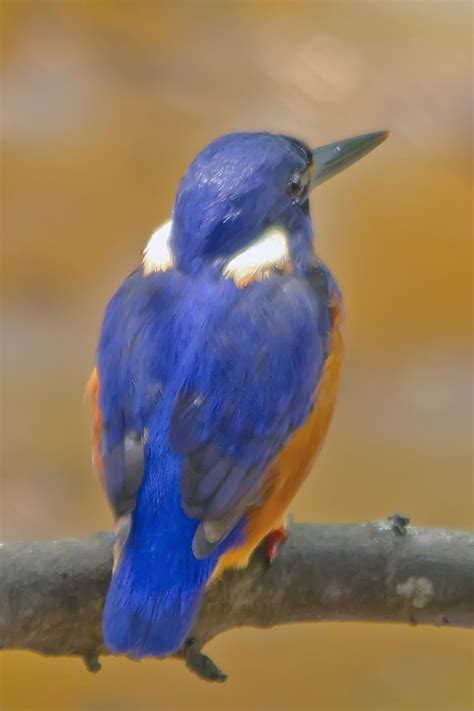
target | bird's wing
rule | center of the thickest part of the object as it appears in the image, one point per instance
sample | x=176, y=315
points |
x=128, y=380
x=249, y=386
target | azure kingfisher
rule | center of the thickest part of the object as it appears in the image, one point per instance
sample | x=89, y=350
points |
x=215, y=381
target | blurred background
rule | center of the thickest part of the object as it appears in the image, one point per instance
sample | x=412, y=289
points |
x=104, y=104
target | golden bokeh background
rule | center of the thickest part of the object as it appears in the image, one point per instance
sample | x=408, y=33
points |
x=104, y=104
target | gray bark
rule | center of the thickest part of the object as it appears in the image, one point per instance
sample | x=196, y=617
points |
x=53, y=591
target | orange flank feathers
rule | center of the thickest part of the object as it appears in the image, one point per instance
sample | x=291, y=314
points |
x=92, y=390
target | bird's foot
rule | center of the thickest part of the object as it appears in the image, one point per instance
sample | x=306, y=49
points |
x=91, y=660
x=201, y=664
x=273, y=542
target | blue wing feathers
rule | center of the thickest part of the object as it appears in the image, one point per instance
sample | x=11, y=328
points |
x=251, y=384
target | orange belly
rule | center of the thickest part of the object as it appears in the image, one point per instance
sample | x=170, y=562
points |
x=294, y=462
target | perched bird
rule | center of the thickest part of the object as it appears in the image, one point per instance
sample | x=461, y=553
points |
x=215, y=381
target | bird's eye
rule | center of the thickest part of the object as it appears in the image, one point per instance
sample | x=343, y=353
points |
x=298, y=186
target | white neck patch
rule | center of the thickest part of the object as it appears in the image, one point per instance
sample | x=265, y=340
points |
x=157, y=255
x=269, y=251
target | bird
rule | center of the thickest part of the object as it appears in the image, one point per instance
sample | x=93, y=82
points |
x=215, y=380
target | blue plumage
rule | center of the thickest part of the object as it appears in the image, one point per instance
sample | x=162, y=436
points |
x=197, y=393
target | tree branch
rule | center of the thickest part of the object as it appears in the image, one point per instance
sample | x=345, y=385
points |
x=53, y=591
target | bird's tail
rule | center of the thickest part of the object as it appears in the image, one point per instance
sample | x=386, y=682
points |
x=158, y=584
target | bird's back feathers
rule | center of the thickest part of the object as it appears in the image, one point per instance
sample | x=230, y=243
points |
x=213, y=379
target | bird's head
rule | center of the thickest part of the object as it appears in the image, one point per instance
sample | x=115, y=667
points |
x=249, y=188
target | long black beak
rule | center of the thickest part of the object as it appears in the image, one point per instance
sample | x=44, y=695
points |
x=331, y=159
